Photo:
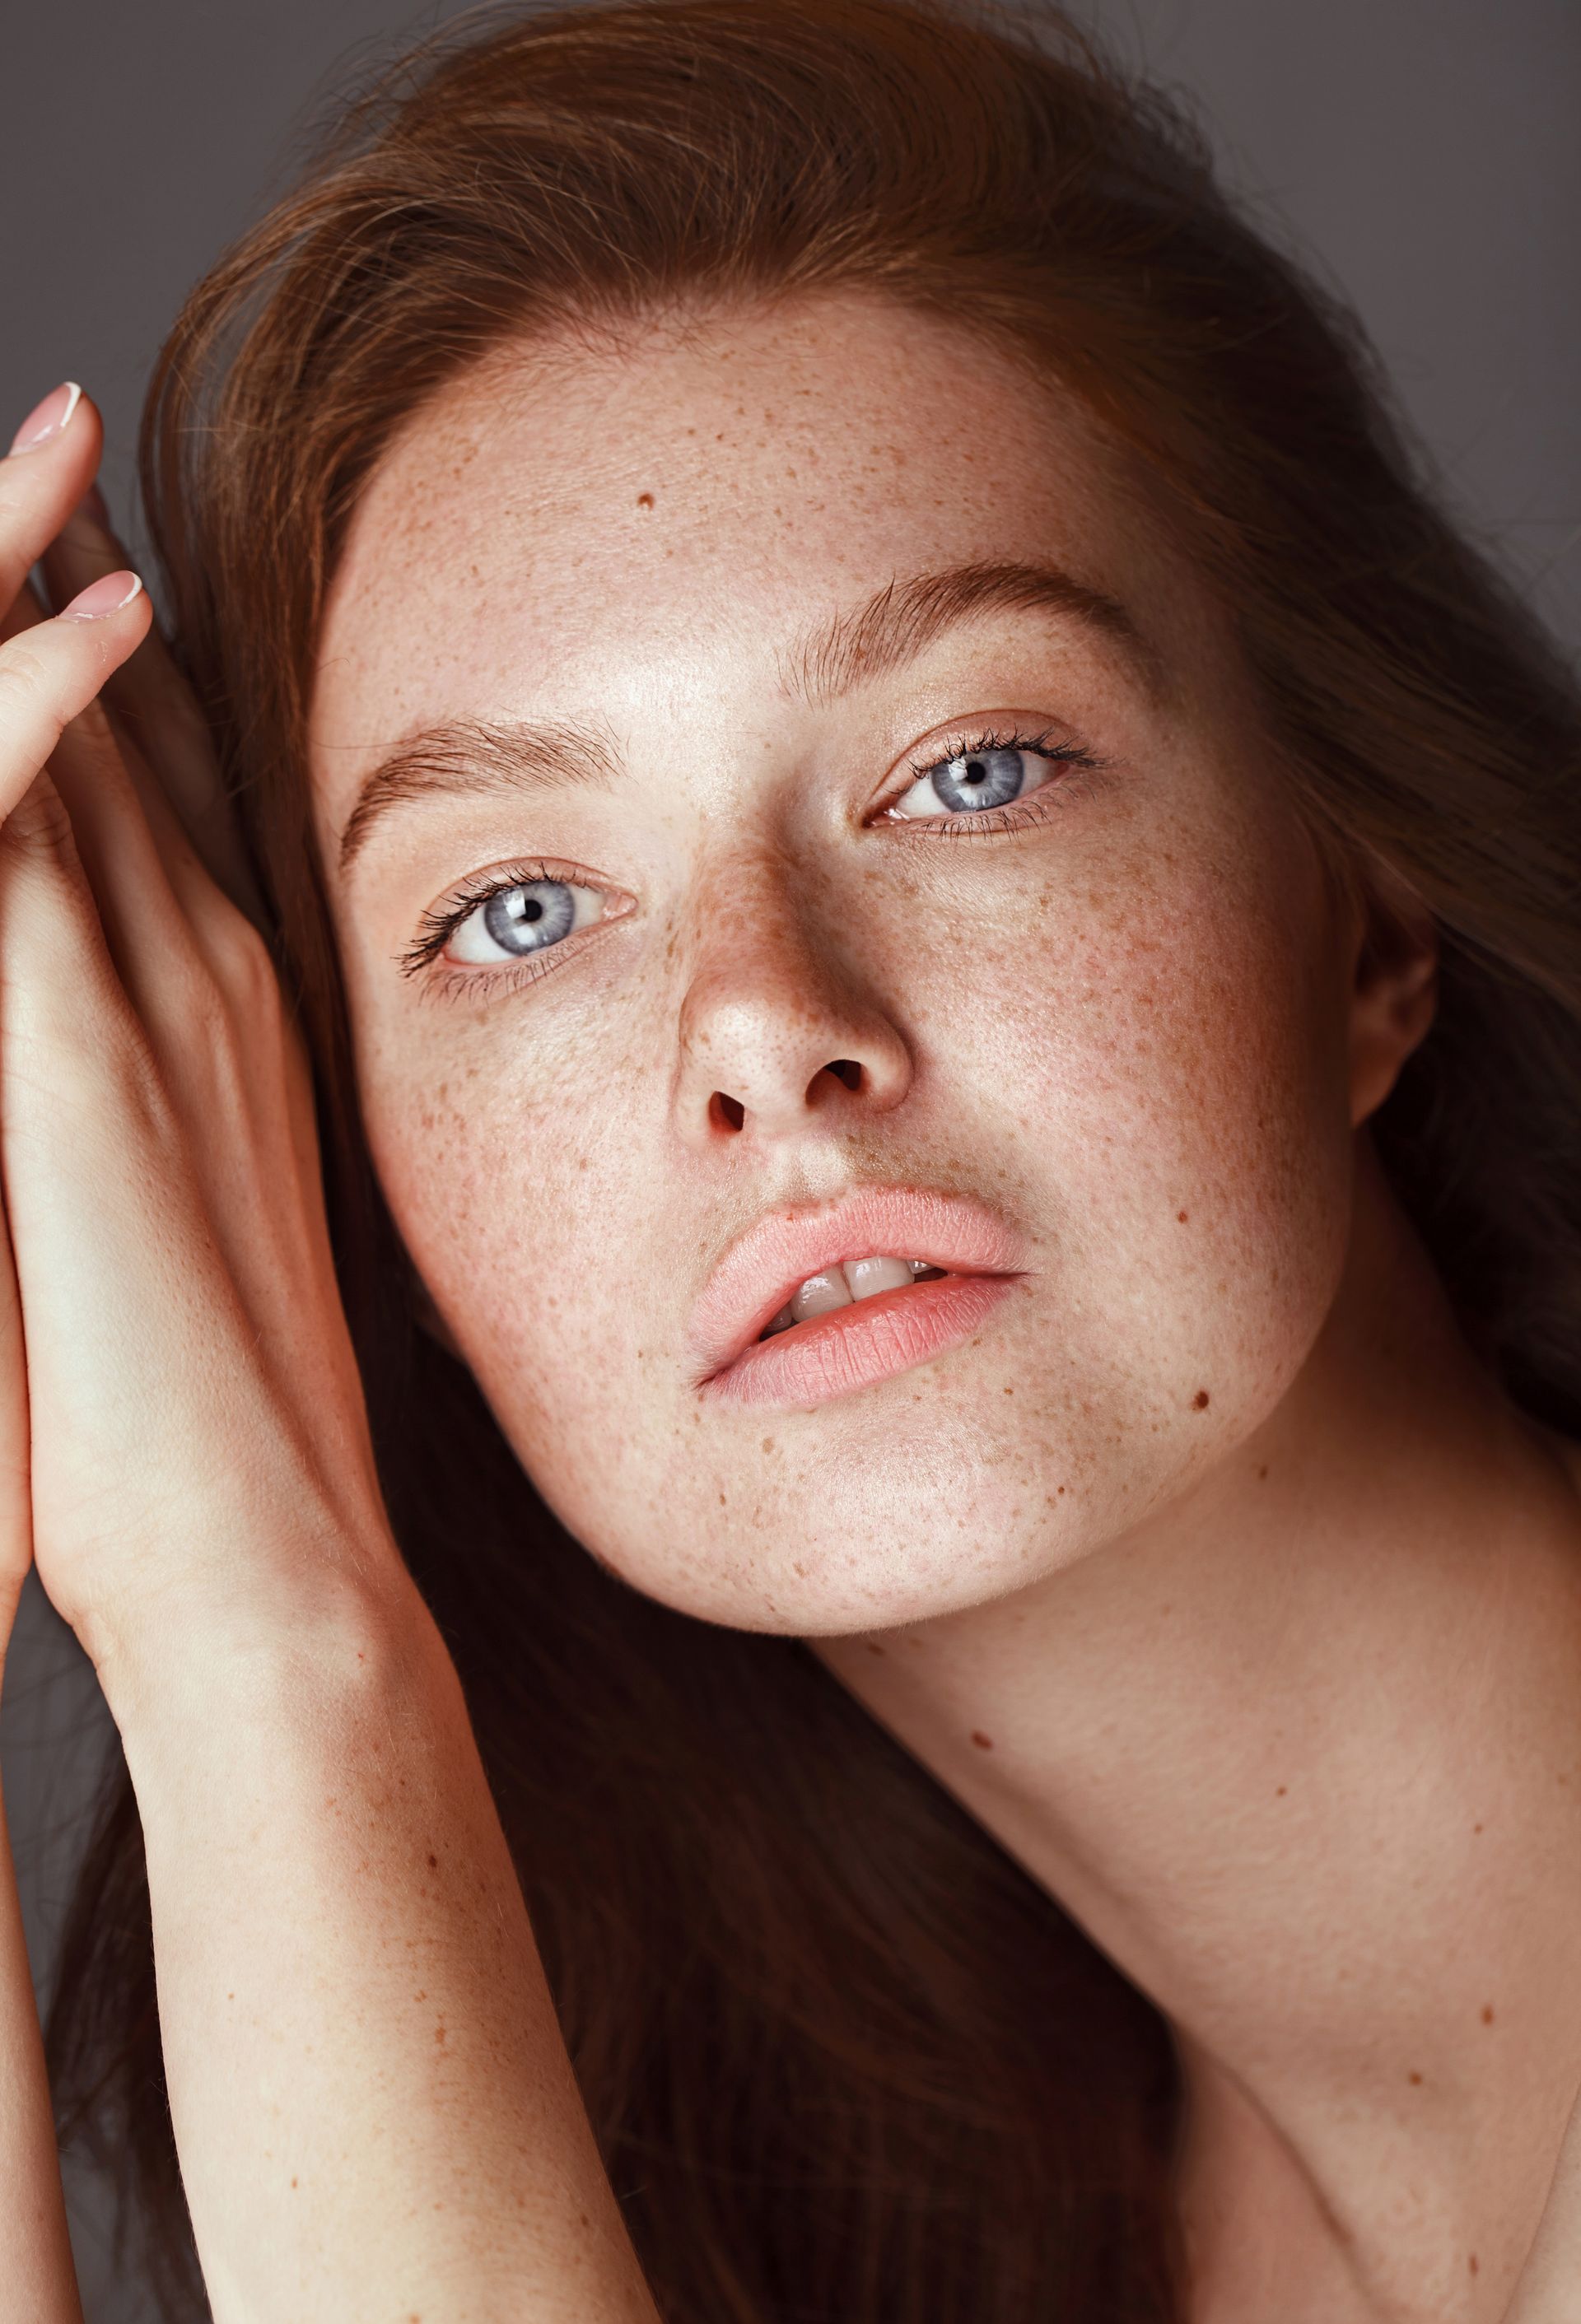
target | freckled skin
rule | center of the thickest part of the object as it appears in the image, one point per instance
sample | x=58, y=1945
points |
x=1219, y=1495
x=1130, y=1015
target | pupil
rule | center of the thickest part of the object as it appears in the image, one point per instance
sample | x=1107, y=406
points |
x=977, y=773
x=532, y=909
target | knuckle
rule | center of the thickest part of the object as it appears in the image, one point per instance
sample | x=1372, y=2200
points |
x=207, y=1017
x=24, y=672
x=140, y=1093
x=217, y=1033
x=39, y=827
x=33, y=714
x=16, y=516
x=245, y=967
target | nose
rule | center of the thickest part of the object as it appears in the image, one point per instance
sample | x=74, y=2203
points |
x=779, y=1035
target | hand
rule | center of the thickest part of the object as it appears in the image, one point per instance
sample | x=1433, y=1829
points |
x=40, y=2275
x=200, y=1455
x=372, y=2101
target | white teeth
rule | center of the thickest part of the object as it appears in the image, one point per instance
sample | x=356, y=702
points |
x=819, y=1295
x=840, y=1286
x=868, y=1276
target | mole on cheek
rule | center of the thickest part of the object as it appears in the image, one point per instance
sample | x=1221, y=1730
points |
x=1199, y=1401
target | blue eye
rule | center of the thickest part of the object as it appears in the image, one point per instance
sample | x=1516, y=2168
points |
x=990, y=775
x=525, y=917
x=503, y=918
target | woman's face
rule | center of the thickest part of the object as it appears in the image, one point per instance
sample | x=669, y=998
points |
x=856, y=843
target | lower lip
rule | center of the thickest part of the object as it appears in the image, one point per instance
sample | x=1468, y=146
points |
x=852, y=1347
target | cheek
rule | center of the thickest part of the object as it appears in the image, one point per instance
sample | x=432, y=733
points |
x=1166, y=1059
x=1147, y=1073
x=516, y=1202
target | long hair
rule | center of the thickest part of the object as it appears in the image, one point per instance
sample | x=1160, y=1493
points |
x=844, y=2058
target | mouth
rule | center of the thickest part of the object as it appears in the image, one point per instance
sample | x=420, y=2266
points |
x=835, y=1288
x=813, y=1303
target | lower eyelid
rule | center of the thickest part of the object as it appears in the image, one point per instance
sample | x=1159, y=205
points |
x=450, y=979
x=1072, y=783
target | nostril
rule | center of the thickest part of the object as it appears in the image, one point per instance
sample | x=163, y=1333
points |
x=725, y=1112
x=846, y=1070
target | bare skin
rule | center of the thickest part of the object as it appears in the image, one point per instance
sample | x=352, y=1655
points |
x=1210, y=1572
x=1213, y=1575
x=373, y=2109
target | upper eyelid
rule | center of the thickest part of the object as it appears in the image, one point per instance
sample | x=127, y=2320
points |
x=476, y=887
x=1008, y=732
x=440, y=920
x=962, y=746
x=970, y=734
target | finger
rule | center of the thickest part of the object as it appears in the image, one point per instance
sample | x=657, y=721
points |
x=196, y=972
x=16, y=1499
x=96, y=1175
x=45, y=474
x=153, y=708
x=51, y=672
x=164, y=1199
x=139, y=904
x=159, y=908
x=137, y=878
x=172, y=972
x=24, y=612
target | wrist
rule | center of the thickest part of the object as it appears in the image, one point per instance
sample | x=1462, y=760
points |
x=195, y=1659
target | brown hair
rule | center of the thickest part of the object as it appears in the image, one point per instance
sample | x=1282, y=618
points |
x=845, y=2059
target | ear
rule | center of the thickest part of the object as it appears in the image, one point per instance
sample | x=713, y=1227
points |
x=1394, y=986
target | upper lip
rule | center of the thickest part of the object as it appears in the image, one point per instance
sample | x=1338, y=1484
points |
x=767, y=1264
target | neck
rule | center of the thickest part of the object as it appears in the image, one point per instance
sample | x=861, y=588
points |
x=1302, y=1753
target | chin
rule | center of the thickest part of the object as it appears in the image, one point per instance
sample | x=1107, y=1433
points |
x=896, y=1535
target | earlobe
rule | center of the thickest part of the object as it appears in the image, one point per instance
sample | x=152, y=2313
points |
x=1394, y=991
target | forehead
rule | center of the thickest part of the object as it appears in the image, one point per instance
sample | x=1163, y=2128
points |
x=592, y=526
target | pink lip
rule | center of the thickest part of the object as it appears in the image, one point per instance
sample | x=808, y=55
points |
x=870, y=1340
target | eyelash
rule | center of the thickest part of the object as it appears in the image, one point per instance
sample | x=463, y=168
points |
x=1020, y=813
x=436, y=926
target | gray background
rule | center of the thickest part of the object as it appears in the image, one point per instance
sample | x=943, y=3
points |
x=1423, y=152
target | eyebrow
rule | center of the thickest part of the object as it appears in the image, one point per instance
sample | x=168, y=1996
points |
x=831, y=658
x=470, y=755
x=901, y=620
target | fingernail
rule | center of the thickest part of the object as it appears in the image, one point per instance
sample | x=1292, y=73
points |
x=48, y=417
x=101, y=597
